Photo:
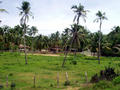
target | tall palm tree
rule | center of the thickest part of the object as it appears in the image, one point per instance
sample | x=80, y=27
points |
x=80, y=12
x=100, y=17
x=25, y=13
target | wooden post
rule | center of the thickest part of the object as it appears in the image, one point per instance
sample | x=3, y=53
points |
x=86, y=78
x=34, y=81
x=66, y=76
x=7, y=81
x=57, y=79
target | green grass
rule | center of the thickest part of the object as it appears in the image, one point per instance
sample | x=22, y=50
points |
x=46, y=68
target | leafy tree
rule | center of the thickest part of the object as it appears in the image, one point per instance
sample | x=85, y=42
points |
x=46, y=42
x=39, y=42
x=65, y=36
x=55, y=39
x=32, y=32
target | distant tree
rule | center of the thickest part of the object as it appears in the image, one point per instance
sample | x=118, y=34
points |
x=100, y=17
x=18, y=33
x=55, y=39
x=25, y=13
x=39, y=42
x=46, y=42
x=32, y=32
x=65, y=38
x=94, y=42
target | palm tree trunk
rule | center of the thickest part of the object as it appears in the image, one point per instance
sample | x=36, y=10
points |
x=25, y=45
x=66, y=52
x=99, y=51
x=32, y=46
x=99, y=43
x=75, y=54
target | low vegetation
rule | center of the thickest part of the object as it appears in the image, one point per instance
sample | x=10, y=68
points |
x=46, y=68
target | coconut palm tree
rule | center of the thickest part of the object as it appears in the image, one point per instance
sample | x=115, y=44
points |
x=100, y=17
x=80, y=12
x=25, y=13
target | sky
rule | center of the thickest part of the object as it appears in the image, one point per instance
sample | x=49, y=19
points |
x=56, y=15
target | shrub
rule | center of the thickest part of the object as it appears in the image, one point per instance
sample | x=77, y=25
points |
x=94, y=79
x=10, y=74
x=74, y=62
x=67, y=83
x=107, y=74
x=102, y=85
x=118, y=64
x=116, y=80
x=51, y=85
x=12, y=85
x=1, y=86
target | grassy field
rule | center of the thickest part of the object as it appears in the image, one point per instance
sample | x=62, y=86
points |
x=46, y=68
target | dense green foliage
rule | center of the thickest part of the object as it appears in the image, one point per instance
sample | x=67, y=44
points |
x=116, y=80
x=11, y=38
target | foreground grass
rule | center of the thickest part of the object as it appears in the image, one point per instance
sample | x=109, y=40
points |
x=45, y=68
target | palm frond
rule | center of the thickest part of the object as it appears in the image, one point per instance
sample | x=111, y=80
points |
x=19, y=8
x=118, y=48
x=74, y=7
x=3, y=10
x=96, y=20
x=74, y=18
x=83, y=17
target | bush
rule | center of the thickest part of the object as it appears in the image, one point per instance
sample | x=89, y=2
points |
x=51, y=85
x=10, y=74
x=67, y=83
x=1, y=86
x=116, y=80
x=102, y=85
x=118, y=64
x=74, y=62
x=94, y=79
x=12, y=85
x=107, y=74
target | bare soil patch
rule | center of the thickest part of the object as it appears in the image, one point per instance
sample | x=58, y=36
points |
x=46, y=54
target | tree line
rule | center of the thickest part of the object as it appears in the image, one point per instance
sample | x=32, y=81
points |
x=11, y=38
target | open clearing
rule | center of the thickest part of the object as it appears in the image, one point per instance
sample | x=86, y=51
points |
x=46, y=68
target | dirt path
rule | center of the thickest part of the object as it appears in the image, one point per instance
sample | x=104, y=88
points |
x=45, y=54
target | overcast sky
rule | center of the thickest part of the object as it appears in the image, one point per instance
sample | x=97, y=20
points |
x=55, y=15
